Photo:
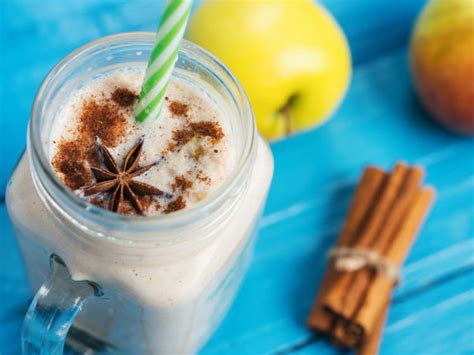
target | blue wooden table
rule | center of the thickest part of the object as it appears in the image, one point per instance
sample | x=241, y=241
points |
x=379, y=122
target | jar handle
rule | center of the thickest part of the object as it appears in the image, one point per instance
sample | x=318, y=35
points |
x=53, y=310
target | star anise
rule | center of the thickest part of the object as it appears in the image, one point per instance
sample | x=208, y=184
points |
x=119, y=182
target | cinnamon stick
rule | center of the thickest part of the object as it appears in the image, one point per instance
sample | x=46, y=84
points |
x=387, y=198
x=381, y=286
x=363, y=279
x=371, y=181
x=319, y=319
x=372, y=345
x=383, y=218
x=396, y=215
x=340, y=298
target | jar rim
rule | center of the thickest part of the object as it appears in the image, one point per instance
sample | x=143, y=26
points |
x=179, y=218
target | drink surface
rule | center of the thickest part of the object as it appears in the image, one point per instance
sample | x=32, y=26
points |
x=190, y=143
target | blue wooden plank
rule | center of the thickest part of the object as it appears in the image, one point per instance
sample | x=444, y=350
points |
x=375, y=27
x=447, y=313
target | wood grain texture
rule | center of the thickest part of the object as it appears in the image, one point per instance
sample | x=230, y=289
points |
x=380, y=122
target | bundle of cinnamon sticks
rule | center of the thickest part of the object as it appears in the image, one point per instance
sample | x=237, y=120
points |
x=384, y=217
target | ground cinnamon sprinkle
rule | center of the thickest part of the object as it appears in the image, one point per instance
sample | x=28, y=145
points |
x=70, y=162
x=175, y=205
x=75, y=173
x=180, y=182
x=73, y=157
x=180, y=137
x=178, y=108
x=205, y=179
x=208, y=129
x=102, y=120
x=157, y=206
x=196, y=129
x=124, y=97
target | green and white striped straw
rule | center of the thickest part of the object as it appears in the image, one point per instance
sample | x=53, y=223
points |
x=163, y=57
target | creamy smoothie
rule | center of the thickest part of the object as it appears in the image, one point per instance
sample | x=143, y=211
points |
x=188, y=148
x=169, y=266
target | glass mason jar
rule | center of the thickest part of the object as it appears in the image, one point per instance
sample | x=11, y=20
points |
x=131, y=284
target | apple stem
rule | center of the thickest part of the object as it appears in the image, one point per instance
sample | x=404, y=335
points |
x=285, y=111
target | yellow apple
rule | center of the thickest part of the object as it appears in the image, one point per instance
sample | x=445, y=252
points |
x=442, y=60
x=291, y=57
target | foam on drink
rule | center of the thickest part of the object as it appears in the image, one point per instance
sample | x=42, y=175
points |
x=190, y=141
